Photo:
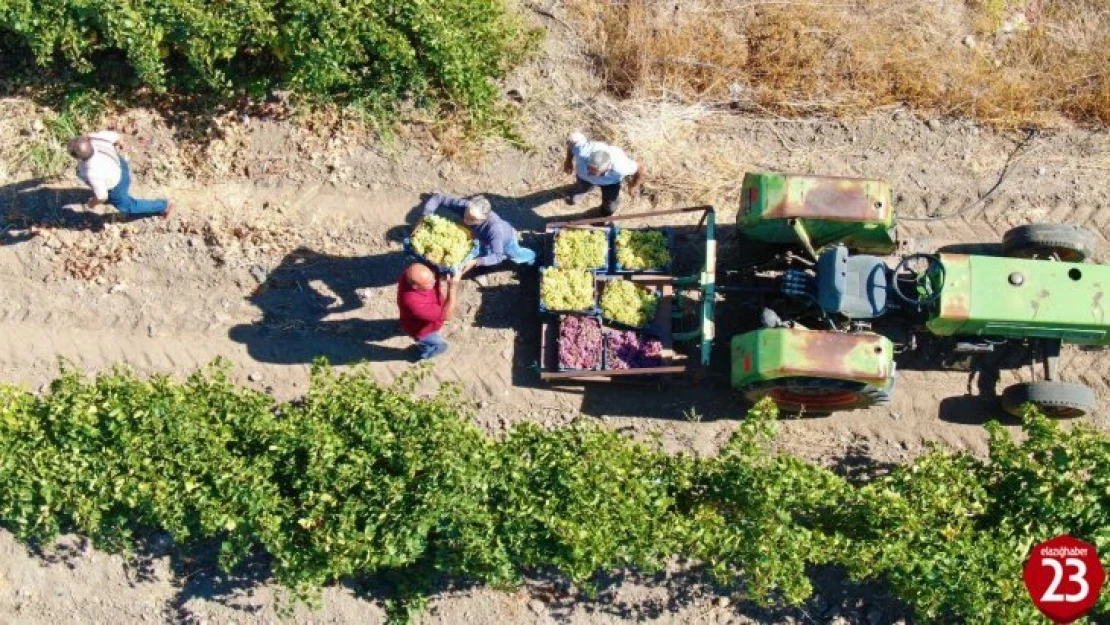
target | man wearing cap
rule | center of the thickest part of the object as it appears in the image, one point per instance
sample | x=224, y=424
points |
x=497, y=239
x=598, y=164
x=107, y=173
x=425, y=303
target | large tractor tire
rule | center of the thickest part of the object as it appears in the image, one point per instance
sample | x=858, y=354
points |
x=1060, y=400
x=817, y=396
x=1070, y=244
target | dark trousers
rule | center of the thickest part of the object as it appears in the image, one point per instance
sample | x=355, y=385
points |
x=610, y=195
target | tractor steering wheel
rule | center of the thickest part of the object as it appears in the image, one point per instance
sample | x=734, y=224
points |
x=925, y=272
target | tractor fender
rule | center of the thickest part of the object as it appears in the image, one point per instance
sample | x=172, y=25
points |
x=850, y=370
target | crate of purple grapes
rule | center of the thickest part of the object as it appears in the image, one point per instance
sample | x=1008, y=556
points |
x=628, y=349
x=580, y=346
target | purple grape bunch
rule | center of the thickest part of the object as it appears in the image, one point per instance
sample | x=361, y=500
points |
x=579, y=342
x=632, y=350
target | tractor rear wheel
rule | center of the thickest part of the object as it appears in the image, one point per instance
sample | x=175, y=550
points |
x=1069, y=243
x=1060, y=400
x=817, y=396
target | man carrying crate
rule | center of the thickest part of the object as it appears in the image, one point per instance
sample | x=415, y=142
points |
x=425, y=303
x=498, y=239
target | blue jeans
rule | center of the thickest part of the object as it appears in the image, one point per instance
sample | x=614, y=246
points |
x=120, y=196
x=518, y=254
x=431, y=346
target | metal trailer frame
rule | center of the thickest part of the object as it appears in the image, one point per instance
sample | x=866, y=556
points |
x=677, y=287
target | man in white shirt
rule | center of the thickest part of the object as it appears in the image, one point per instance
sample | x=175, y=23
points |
x=596, y=164
x=108, y=175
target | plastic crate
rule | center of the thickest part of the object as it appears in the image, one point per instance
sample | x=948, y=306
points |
x=409, y=251
x=608, y=248
x=617, y=324
x=601, y=357
x=592, y=311
x=668, y=233
x=605, y=334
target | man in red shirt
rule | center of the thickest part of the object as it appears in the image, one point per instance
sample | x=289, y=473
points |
x=425, y=303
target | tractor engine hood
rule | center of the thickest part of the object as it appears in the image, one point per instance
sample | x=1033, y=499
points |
x=1019, y=298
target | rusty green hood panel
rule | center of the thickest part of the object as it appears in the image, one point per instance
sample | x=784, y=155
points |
x=854, y=211
x=1018, y=298
x=774, y=353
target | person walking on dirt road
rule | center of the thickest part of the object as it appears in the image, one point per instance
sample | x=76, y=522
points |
x=107, y=173
x=496, y=238
x=425, y=303
x=597, y=164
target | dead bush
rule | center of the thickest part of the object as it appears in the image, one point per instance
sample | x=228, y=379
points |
x=1005, y=62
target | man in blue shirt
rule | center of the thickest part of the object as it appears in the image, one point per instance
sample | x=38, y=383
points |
x=597, y=164
x=496, y=238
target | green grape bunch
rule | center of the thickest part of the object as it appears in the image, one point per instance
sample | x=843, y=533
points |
x=640, y=250
x=625, y=302
x=581, y=249
x=441, y=241
x=567, y=289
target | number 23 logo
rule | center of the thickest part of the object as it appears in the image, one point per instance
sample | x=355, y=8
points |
x=1052, y=595
x=1064, y=577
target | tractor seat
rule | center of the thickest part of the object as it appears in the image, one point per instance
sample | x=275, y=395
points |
x=853, y=286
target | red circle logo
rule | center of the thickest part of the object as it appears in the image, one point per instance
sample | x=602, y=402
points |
x=1064, y=577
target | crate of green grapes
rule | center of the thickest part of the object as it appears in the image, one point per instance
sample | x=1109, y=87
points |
x=580, y=247
x=441, y=243
x=625, y=303
x=564, y=290
x=642, y=250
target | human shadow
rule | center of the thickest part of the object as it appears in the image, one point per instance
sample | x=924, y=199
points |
x=31, y=204
x=523, y=210
x=306, y=304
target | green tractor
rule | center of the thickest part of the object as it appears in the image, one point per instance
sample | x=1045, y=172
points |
x=835, y=313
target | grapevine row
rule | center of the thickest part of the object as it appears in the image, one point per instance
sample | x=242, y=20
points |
x=357, y=478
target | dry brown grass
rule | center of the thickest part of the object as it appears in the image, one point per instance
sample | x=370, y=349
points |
x=1005, y=62
x=651, y=130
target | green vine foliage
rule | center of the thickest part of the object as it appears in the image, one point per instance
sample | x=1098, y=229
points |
x=445, y=51
x=755, y=514
x=583, y=499
x=358, y=479
x=951, y=533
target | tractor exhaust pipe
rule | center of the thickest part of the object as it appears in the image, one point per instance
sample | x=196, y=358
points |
x=964, y=347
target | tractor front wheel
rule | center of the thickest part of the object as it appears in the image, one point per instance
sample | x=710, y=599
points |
x=1060, y=400
x=817, y=396
x=1070, y=244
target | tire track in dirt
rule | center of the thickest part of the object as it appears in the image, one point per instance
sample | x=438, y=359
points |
x=177, y=305
x=980, y=230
